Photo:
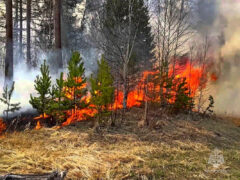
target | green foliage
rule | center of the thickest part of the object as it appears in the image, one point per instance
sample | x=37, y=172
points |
x=183, y=101
x=102, y=88
x=76, y=82
x=6, y=99
x=42, y=86
x=210, y=107
x=57, y=105
x=165, y=86
x=115, y=19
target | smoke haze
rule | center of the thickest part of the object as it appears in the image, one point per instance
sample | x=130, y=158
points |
x=227, y=87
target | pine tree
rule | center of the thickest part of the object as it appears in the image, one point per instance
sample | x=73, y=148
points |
x=58, y=106
x=6, y=99
x=102, y=89
x=42, y=86
x=210, y=107
x=76, y=83
x=183, y=100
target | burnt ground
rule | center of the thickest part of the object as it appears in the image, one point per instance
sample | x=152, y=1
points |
x=172, y=147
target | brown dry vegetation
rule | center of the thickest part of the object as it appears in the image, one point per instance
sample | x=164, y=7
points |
x=172, y=148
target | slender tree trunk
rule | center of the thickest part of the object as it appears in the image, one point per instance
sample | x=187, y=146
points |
x=21, y=29
x=29, y=32
x=57, y=32
x=9, y=43
x=125, y=71
x=146, y=103
x=16, y=20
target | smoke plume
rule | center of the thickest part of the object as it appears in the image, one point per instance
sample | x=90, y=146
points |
x=227, y=87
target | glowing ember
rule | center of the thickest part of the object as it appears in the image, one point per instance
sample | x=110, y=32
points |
x=2, y=126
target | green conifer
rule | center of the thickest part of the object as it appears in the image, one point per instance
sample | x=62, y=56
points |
x=6, y=99
x=102, y=89
x=42, y=86
x=58, y=106
x=76, y=83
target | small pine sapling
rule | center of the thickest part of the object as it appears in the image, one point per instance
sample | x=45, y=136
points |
x=102, y=90
x=210, y=107
x=58, y=104
x=6, y=99
x=42, y=86
x=76, y=83
x=183, y=101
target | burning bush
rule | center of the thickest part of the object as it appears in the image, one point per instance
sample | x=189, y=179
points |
x=69, y=100
x=65, y=101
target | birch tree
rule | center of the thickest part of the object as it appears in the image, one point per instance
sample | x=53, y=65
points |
x=172, y=32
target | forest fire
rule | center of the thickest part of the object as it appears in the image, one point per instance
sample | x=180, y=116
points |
x=193, y=74
x=79, y=115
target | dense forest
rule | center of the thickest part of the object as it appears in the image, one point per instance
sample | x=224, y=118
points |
x=116, y=69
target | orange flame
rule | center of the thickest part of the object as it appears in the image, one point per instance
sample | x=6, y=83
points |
x=38, y=126
x=79, y=115
x=42, y=116
x=194, y=75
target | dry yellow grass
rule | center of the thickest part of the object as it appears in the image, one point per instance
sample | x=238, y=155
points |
x=179, y=150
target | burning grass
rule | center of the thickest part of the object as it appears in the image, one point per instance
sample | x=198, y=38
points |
x=173, y=148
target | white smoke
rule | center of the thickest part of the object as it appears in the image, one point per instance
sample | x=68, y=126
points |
x=227, y=88
x=24, y=86
x=24, y=77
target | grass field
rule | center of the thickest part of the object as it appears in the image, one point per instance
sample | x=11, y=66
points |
x=176, y=147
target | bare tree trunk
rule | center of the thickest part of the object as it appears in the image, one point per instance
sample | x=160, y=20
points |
x=96, y=122
x=21, y=29
x=146, y=104
x=29, y=32
x=57, y=32
x=180, y=21
x=16, y=20
x=124, y=87
x=9, y=43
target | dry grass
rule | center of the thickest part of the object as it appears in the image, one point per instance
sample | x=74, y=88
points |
x=178, y=150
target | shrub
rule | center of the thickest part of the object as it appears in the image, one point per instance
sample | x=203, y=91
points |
x=6, y=99
x=42, y=86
